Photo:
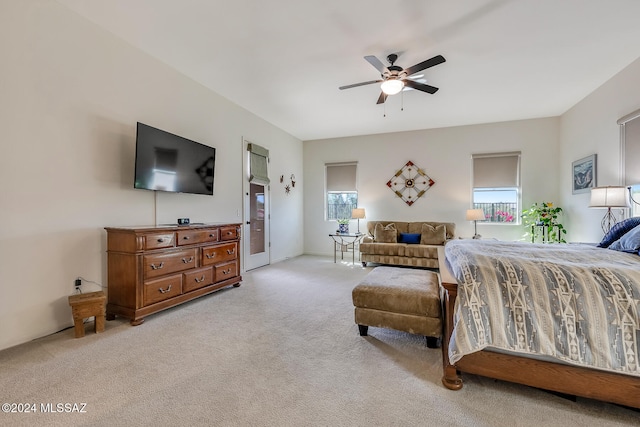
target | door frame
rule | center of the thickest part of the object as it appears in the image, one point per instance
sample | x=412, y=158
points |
x=246, y=217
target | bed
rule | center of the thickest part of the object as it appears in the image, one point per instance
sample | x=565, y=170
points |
x=561, y=317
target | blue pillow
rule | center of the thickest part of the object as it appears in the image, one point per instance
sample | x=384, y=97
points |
x=618, y=230
x=410, y=238
x=630, y=242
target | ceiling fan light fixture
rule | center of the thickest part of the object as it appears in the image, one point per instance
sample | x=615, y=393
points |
x=392, y=86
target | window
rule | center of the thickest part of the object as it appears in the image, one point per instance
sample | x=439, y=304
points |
x=496, y=186
x=341, y=191
x=630, y=149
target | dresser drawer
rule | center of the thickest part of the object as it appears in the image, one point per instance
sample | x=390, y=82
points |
x=228, y=233
x=189, y=237
x=219, y=253
x=161, y=289
x=157, y=241
x=168, y=262
x=196, y=279
x=225, y=271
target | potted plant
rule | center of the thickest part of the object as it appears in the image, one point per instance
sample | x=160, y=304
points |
x=542, y=222
x=343, y=225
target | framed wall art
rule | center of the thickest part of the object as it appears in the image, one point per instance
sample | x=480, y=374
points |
x=410, y=183
x=583, y=174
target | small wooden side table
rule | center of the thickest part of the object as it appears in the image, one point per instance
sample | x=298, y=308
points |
x=91, y=304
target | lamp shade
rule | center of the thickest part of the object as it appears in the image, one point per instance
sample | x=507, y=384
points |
x=357, y=213
x=609, y=197
x=475, y=215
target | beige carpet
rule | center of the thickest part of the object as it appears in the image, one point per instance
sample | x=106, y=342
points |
x=280, y=350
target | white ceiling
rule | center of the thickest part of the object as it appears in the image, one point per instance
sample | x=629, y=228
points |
x=285, y=59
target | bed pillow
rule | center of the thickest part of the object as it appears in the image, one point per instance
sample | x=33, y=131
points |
x=630, y=242
x=433, y=235
x=409, y=238
x=618, y=230
x=387, y=234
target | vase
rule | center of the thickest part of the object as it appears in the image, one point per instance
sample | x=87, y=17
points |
x=343, y=228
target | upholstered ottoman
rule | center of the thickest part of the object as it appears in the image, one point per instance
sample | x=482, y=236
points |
x=404, y=299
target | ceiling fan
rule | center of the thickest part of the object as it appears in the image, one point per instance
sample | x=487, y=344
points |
x=395, y=78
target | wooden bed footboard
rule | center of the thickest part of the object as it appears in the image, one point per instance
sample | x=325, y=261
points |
x=572, y=380
x=450, y=375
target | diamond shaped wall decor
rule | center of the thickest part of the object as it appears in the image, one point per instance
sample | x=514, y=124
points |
x=410, y=183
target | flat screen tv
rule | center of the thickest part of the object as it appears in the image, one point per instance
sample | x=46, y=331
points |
x=167, y=162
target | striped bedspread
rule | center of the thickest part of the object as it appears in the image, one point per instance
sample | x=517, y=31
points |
x=573, y=303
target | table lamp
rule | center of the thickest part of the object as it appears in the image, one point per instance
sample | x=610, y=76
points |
x=609, y=197
x=357, y=213
x=475, y=215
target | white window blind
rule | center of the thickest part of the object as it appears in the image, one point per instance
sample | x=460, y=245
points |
x=341, y=177
x=630, y=135
x=258, y=159
x=630, y=157
x=496, y=170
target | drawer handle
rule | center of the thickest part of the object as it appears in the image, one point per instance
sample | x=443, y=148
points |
x=187, y=261
x=157, y=267
x=212, y=235
x=164, y=291
x=229, y=233
x=160, y=240
x=211, y=255
x=231, y=251
x=186, y=238
x=200, y=280
x=226, y=271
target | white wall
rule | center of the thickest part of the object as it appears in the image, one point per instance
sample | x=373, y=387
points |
x=445, y=155
x=590, y=127
x=71, y=96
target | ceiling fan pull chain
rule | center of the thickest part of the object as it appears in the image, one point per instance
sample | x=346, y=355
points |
x=384, y=106
x=402, y=100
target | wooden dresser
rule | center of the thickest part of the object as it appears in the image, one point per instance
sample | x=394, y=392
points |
x=154, y=268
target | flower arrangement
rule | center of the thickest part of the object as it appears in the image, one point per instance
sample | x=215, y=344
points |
x=542, y=221
x=343, y=220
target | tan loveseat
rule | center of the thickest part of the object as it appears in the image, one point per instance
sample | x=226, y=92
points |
x=405, y=243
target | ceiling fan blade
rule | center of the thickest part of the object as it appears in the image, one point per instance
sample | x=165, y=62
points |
x=376, y=63
x=359, y=84
x=439, y=59
x=382, y=98
x=420, y=86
